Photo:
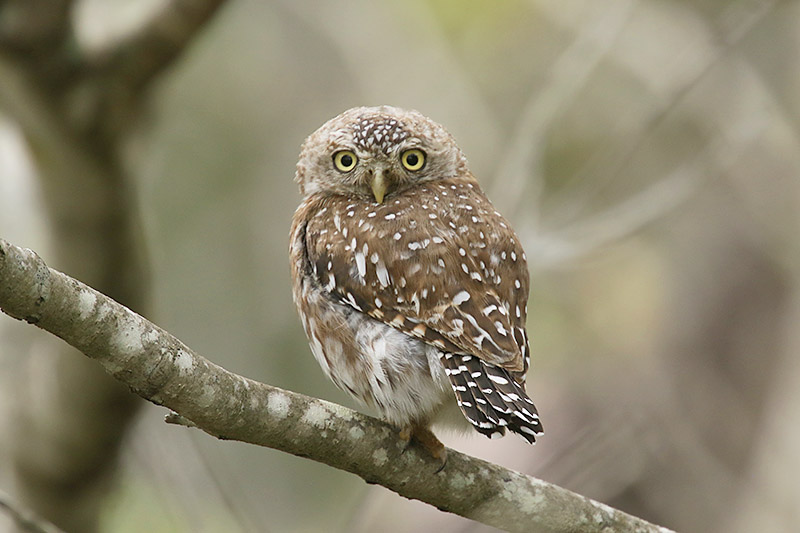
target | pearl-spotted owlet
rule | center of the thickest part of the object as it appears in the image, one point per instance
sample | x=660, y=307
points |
x=411, y=287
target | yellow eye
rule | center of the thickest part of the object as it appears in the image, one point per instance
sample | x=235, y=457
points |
x=345, y=160
x=413, y=159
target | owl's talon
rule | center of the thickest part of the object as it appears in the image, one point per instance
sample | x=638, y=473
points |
x=405, y=436
x=429, y=442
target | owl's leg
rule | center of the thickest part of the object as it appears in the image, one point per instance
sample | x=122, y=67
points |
x=425, y=438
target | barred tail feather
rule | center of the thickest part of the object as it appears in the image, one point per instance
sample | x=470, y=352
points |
x=490, y=398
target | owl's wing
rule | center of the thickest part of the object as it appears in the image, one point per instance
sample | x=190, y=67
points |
x=439, y=264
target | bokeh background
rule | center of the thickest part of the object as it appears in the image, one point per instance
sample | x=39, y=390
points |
x=648, y=154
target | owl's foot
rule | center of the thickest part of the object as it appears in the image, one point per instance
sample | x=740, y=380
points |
x=425, y=438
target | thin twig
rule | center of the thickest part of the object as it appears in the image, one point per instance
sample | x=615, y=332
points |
x=137, y=60
x=24, y=519
x=631, y=214
x=568, y=76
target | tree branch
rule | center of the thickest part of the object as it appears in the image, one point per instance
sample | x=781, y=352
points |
x=24, y=519
x=163, y=370
x=140, y=58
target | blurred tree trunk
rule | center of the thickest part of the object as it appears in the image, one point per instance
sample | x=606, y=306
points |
x=75, y=112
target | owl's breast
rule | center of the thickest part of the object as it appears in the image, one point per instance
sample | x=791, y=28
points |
x=436, y=262
x=396, y=374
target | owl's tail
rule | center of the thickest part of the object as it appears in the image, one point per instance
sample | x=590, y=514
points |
x=491, y=399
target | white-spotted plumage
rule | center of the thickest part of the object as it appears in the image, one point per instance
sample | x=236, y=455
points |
x=423, y=306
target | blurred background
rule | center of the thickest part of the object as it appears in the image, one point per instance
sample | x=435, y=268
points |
x=647, y=152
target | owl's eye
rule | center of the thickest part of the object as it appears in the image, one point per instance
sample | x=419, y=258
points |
x=413, y=159
x=344, y=160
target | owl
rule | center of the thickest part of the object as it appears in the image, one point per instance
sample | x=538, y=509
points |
x=411, y=287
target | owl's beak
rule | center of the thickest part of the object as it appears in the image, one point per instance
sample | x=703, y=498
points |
x=378, y=185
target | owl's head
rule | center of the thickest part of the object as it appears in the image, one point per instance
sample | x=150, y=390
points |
x=376, y=153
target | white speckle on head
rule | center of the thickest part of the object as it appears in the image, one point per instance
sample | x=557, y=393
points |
x=516, y=283
x=390, y=216
x=397, y=236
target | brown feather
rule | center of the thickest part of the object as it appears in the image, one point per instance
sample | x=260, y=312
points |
x=430, y=264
